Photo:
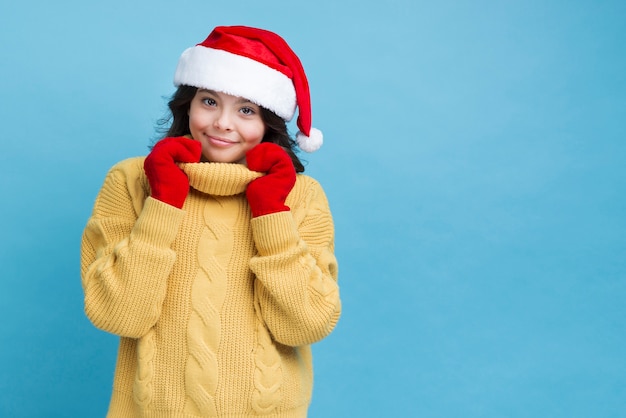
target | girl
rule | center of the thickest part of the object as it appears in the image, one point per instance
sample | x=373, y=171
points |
x=211, y=258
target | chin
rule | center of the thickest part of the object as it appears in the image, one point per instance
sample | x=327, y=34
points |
x=218, y=157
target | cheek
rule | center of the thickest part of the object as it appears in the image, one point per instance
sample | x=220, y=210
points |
x=193, y=122
x=254, y=133
x=197, y=118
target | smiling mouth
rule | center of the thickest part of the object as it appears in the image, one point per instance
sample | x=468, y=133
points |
x=220, y=141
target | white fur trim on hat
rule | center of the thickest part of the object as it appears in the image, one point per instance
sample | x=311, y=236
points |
x=218, y=70
x=310, y=143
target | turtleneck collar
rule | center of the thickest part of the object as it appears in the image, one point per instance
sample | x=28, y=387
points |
x=219, y=179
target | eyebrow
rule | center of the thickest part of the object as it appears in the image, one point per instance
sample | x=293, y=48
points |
x=241, y=100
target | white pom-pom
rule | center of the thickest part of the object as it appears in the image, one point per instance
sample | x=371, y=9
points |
x=310, y=143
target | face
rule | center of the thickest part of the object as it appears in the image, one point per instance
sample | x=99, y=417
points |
x=227, y=126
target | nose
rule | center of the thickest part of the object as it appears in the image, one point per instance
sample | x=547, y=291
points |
x=223, y=121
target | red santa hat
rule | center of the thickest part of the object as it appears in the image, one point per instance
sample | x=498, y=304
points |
x=256, y=64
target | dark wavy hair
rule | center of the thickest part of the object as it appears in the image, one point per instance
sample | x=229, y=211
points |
x=177, y=123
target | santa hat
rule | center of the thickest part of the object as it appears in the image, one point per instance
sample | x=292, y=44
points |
x=256, y=64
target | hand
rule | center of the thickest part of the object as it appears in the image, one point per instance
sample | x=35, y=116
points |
x=168, y=182
x=267, y=194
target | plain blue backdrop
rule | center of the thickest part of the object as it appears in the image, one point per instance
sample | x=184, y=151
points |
x=474, y=161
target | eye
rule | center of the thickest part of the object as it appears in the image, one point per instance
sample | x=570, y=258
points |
x=247, y=111
x=209, y=101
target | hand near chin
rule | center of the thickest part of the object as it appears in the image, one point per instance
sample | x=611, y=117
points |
x=168, y=183
x=267, y=194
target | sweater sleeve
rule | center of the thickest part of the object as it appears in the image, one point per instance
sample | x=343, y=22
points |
x=126, y=253
x=296, y=270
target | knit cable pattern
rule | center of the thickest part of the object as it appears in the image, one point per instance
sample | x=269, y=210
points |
x=142, y=390
x=207, y=296
x=268, y=378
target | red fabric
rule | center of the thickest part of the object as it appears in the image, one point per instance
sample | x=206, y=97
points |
x=168, y=182
x=251, y=43
x=267, y=194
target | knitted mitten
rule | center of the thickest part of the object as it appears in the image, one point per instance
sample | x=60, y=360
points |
x=167, y=181
x=267, y=194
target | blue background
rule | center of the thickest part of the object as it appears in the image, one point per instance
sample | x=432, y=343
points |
x=474, y=161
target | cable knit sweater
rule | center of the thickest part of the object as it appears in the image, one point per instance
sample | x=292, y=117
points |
x=216, y=310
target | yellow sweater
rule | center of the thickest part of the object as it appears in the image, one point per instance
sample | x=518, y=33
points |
x=216, y=310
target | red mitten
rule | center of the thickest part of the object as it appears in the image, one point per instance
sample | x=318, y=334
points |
x=167, y=181
x=267, y=194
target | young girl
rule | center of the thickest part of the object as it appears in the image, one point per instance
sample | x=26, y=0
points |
x=211, y=258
